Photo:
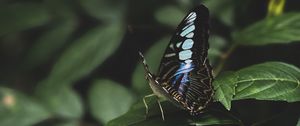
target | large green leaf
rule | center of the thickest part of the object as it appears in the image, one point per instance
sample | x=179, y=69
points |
x=16, y=109
x=269, y=81
x=108, y=100
x=22, y=16
x=107, y=10
x=88, y=52
x=153, y=57
x=280, y=29
x=62, y=101
x=51, y=41
x=275, y=81
x=169, y=15
x=224, y=85
x=173, y=116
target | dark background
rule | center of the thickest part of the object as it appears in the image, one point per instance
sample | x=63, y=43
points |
x=142, y=31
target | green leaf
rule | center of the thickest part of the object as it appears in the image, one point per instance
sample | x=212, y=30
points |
x=49, y=42
x=61, y=101
x=16, y=109
x=298, y=124
x=88, y=52
x=173, y=116
x=169, y=15
x=223, y=10
x=224, y=85
x=108, y=100
x=269, y=81
x=280, y=29
x=153, y=57
x=21, y=16
x=108, y=10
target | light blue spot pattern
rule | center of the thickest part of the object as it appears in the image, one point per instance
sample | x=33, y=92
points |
x=187, y=44
x=188, y=30
x=186, y=54
x=190, y=35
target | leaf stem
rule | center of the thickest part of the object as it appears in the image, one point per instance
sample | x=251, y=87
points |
x=224, y=57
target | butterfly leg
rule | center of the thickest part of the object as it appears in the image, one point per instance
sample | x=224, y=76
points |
x=145, y=103
x=161, y=109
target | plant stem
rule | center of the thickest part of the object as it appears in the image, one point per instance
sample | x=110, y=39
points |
x=224, y=57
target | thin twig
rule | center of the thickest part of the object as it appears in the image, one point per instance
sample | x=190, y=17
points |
x=224, y=57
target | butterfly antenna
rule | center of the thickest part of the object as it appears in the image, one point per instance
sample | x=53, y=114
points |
x=145, y=64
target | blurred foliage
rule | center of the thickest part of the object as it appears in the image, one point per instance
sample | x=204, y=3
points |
x=75, y=63
x=118, y=102
x=16, y=109
x=279, y=29
x=21, y=16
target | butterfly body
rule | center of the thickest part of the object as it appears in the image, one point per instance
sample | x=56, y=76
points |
x=185, y=76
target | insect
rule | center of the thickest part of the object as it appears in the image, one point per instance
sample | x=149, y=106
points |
x=185, y=75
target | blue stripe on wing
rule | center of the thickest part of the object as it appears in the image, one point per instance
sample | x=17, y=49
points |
x=181, y=77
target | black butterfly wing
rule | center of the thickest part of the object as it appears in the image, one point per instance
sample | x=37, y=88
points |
x=184, y=71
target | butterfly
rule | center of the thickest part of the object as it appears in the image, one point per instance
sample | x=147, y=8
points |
x=185, y=75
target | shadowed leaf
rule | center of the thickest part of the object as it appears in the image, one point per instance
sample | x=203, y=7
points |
x=62, y=101
x=169, y=15
x=216, y=44
x=223, y=10
x=108, y=100
x=173, y=116
x=88, y=52
x=21, y=16
x=108, y=10
x=51, y=41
